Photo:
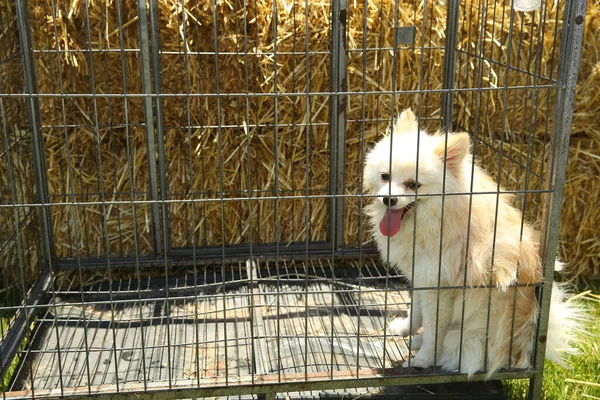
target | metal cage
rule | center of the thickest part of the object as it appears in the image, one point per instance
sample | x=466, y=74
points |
x=179, y=180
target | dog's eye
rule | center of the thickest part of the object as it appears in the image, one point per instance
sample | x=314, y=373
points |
x=412, y=185
x=385, y=177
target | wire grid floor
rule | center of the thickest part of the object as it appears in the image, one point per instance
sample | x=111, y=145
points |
x=227, y=325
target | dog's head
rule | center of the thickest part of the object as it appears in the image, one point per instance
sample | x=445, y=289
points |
x=409, y=162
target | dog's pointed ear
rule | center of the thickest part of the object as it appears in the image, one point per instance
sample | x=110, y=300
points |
x=406, y=123
x=454, y=149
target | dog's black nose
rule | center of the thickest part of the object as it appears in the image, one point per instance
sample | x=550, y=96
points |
x=390, y=201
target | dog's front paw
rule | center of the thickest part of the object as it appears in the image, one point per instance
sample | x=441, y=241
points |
x=423, y=359
x=402, y=327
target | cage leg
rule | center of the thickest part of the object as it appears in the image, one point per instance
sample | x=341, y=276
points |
x=337, y=121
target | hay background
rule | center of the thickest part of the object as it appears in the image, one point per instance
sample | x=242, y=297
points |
x=77, y=156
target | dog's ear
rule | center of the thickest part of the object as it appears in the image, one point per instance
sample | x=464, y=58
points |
x=405, y=123
x=454, y=149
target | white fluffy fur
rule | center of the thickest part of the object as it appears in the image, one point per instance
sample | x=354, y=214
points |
x=497, y=252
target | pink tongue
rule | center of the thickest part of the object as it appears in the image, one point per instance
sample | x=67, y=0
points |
x=390, y=223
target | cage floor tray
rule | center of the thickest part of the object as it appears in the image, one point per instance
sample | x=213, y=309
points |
x=241, y=324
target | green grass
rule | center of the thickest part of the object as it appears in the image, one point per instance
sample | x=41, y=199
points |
x=4, y=322
x=583, y=368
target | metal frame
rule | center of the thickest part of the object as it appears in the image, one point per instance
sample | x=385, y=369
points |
x=337, y=120
x=166, y=256
x=563, y=114
x=449, y=64
x=152, y=86
x=33, y=108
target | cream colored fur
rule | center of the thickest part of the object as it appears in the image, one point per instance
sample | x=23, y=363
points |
x=495, y=255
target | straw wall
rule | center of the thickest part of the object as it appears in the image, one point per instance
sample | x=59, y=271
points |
x=85, y=161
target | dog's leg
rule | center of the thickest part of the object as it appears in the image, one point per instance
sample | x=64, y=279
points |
x=433, y=339
x=413, y=321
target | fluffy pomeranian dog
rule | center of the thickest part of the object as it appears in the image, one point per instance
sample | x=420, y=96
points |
x=454, y=240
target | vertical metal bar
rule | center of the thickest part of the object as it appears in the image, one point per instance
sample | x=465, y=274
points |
x=392, y=116
x=277, y=186
x=160, y=151
x=501, y=157
x=449, y=63
x=159, y=121
x=71, y=173
x=337, y=121
x=37, y=140
x=192, y=206
x=132, y=193
x=255, y=344
x=563, y=114
x=221, y=177
x=149, y=118
x=47, y=255
x=89, y=50
x=361, y=158
x=307, y=189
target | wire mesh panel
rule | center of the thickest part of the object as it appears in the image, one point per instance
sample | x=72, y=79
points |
x=182, y=185
x=21, y=254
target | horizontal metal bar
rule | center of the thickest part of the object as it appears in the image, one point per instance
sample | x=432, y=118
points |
x=284, y=194
x=186, y=297
x=265, y=198
x=264, y=384
x=233, y=254
x=509, y=67
x=188, y=53
x=228, y=126
x=235, y=126
x=223, y=53
x=280, y=94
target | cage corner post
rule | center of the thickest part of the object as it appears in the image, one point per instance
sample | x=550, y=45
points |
x=153, y=114
x=570, y=55
x=449, y=63
x=35, y=127
x=337, y=121
x=15, y=335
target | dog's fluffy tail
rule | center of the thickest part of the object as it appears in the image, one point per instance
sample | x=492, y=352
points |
x=566, y=323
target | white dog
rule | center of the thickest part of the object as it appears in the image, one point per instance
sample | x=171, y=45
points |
x=455, y=240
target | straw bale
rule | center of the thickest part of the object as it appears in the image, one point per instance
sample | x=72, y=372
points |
x=19, y=260
x=279, y=146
